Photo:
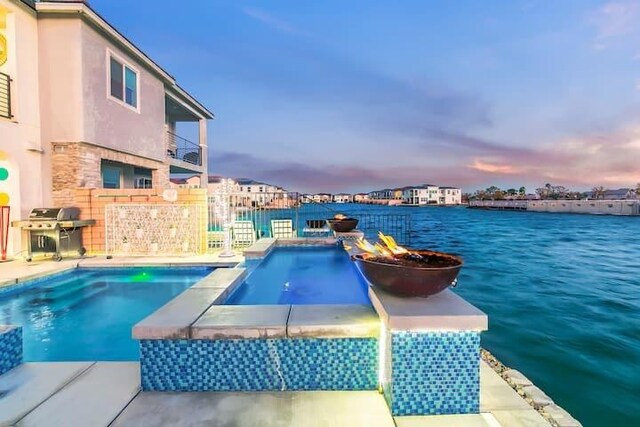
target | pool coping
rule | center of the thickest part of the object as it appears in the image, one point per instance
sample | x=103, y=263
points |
x=445, y=311
x=199, y=312
x=174, y=319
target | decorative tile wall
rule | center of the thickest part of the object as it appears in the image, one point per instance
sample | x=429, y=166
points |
x=10, y=348
x=434, y=373
x=259, y=364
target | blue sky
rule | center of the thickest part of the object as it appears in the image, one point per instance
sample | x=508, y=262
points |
x=358, y=95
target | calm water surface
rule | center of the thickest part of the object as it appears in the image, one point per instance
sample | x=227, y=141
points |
x=562, y=293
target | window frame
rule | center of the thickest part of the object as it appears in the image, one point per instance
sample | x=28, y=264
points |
x=112, y=166
x=125, y=64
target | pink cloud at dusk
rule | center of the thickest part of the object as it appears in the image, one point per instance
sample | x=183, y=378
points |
x=484, y=166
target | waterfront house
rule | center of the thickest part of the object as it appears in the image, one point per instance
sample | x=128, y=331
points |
x=81, y=106
x=321, y=197
x=260, y=193
x=425, y=194
x=449, y=196
x=360, y=197
x=342, y=198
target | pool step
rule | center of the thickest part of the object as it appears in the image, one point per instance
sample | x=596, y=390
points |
x=25, y=387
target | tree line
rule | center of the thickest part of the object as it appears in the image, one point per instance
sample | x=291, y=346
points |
x=547, y=192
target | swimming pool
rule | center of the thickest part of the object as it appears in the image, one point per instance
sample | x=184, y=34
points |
x=87, y=314
x=302, y=275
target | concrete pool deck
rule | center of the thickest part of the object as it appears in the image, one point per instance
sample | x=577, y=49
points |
x=19, y=270
x=108, y=394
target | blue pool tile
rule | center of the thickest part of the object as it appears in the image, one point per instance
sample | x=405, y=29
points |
x=10, y=348
x=433, y=373
x=259, y=364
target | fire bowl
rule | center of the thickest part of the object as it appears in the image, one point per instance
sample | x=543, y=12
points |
x=343, y=225
x=408, y=277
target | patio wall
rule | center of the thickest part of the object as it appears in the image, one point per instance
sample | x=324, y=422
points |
x=93, y=202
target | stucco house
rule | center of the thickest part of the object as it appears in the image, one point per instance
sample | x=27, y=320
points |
x=449, y=196
x=81, y=106
x=425, y=194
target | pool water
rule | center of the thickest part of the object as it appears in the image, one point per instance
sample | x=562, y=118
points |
x=87, y=314
x=302, y=275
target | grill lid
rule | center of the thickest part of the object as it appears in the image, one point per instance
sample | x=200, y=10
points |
x=54, y=214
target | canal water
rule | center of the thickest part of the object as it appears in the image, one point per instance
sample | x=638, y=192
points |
x=562, y=293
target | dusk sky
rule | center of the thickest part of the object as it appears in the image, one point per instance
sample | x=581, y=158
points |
x=359, y=95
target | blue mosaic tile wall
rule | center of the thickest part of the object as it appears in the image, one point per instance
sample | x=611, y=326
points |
x=259, y=364
x=10, y=349
x=434, y=373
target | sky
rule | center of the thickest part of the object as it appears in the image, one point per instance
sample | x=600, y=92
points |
x=360, y=95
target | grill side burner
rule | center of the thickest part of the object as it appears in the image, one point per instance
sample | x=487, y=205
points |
x=52, y=230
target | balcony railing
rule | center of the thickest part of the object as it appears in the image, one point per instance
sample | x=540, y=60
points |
x=182, y=149
x=5, y=96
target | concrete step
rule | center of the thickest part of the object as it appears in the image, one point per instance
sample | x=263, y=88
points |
x=25, y=387
x=94, y=398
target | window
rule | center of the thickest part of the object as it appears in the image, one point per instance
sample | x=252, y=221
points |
x=123, y=82
x=111, y=176
x=142, y=178
x=142, y=182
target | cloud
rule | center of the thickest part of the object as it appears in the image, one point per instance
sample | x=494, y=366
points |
x=483, y=166
x=271, y=21
x=315, y=177
x=613, y=20
x=360, y=96
x=582, y=161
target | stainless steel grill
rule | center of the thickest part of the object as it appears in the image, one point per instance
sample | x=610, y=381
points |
x=53, y=231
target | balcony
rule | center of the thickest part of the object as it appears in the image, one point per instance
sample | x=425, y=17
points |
x=5, y=96
x=185, y=156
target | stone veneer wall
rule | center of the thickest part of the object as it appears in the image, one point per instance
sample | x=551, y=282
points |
x=10, y=348
x=432, y=373
x=92, y=203
x=78, y=165
x=259, y=364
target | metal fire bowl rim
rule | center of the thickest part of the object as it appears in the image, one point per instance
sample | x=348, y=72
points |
x=361, y=257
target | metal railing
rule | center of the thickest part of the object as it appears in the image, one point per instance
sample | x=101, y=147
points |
x=182, y=149
x=255, y=211
x=5, y=96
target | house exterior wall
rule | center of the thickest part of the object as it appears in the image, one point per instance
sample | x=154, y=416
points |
x=450, y=196
x=20, y=142
x=110, y=123
x=78, y=164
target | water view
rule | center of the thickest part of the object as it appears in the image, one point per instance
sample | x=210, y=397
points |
x=562, y=293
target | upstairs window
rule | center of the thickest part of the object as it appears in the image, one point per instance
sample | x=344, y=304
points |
x=123, y=82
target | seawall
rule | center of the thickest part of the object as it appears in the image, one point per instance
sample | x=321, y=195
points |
x=594, y=207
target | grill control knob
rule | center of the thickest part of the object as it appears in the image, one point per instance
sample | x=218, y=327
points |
x=39, y=225
x=49, y=225
x=30, y=225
